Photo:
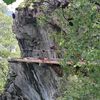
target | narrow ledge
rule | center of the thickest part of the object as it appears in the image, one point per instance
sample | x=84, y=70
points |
x=35, y=60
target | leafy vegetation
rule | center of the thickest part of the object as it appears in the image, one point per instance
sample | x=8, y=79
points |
x=81, y=20
x=8, y=45
x=9, y=1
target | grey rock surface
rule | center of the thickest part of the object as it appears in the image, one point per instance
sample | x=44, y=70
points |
x=30, y=81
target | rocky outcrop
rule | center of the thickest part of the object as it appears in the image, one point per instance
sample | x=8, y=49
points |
x=34, y=40
x=28, y=80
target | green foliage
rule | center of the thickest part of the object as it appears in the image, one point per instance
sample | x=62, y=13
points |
x=3, y=73
x=8, y=46
x=81, y=21
x=83, y=35
x=9, y=1
x=79, y=87
x=7, y=38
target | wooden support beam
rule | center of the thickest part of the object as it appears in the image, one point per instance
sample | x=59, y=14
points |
x=35, y=60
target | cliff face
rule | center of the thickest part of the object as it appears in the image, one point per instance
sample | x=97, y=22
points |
x=30, y=81
x=34, y=40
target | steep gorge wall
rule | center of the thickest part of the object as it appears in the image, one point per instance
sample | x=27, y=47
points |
x=32, y=38
x=30, y=81
x=33, y=81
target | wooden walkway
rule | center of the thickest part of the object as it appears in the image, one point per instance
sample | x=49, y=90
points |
x=41, y=60
x=35, y=60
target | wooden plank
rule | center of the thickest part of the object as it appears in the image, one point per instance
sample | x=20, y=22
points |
x=34, y=60
x=42, y=60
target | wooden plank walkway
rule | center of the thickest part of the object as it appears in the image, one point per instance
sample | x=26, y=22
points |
x=41, y=60
x=35, y=60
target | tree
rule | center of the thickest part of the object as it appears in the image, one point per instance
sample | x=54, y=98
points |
x=9, y=1
x=81, y=22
